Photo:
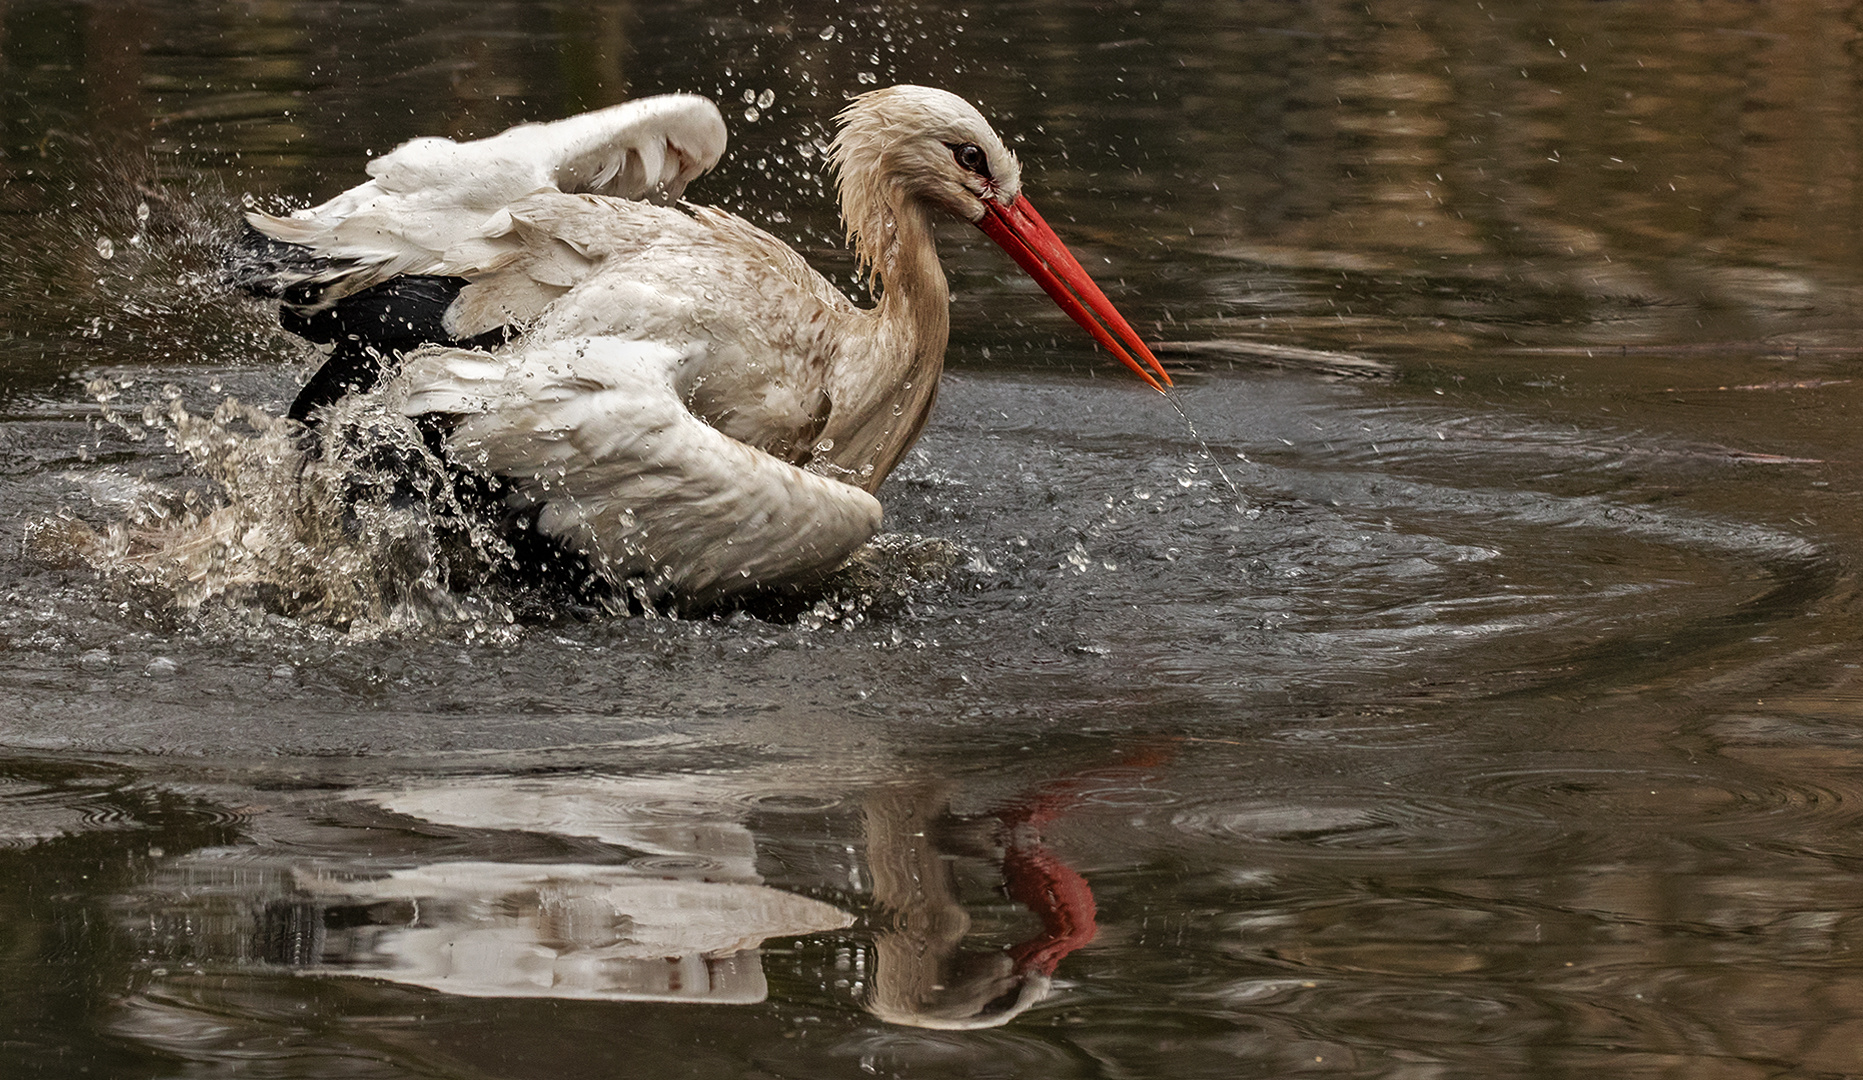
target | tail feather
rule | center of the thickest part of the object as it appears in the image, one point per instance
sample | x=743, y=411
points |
x=268, y=267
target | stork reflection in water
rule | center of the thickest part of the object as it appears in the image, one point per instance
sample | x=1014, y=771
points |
x=667, y=391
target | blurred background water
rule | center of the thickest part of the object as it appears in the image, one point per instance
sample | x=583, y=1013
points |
x=1506, y=722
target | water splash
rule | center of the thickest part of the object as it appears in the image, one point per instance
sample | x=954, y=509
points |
x=147, y=289
x=359, y=529
x=1207, y=452
x=362, y=528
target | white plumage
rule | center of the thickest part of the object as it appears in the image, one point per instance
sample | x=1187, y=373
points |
x=434, y=205
x=590, y=433
x=685, y=401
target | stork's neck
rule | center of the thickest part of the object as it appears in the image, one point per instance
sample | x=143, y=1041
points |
x=887, y=375
x=915, y=299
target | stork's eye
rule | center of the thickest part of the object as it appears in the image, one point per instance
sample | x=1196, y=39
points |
x=971, y=158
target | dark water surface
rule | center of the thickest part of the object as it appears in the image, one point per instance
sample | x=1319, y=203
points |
x=1507, y=722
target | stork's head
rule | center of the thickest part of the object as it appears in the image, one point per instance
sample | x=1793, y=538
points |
x=916, y=144
x=926, y=144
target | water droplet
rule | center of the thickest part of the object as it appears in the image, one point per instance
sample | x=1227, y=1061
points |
x=766, y=99
x=161, y=667
x=105, y=248
x=142, y=212
x=751, y=113
x=828, y=33
x=750, y=97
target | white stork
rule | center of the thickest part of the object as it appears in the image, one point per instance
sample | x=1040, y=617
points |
x=670, y=391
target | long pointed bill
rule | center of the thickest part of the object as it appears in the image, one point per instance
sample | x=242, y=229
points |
x=1020, y=231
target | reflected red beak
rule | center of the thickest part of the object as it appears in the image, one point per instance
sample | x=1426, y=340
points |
x=1020, y=231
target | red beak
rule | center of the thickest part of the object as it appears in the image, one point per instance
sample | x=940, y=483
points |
x=1020, y=231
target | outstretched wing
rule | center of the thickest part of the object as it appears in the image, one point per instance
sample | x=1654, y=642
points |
x=433, y=203
x=591, y=433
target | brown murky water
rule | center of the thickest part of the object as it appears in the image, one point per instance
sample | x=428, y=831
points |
x=1508, y=723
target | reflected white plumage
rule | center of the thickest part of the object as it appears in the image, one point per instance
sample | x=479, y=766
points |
x=680, y=398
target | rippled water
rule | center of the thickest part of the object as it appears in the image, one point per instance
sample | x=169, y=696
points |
x=1504, y=719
